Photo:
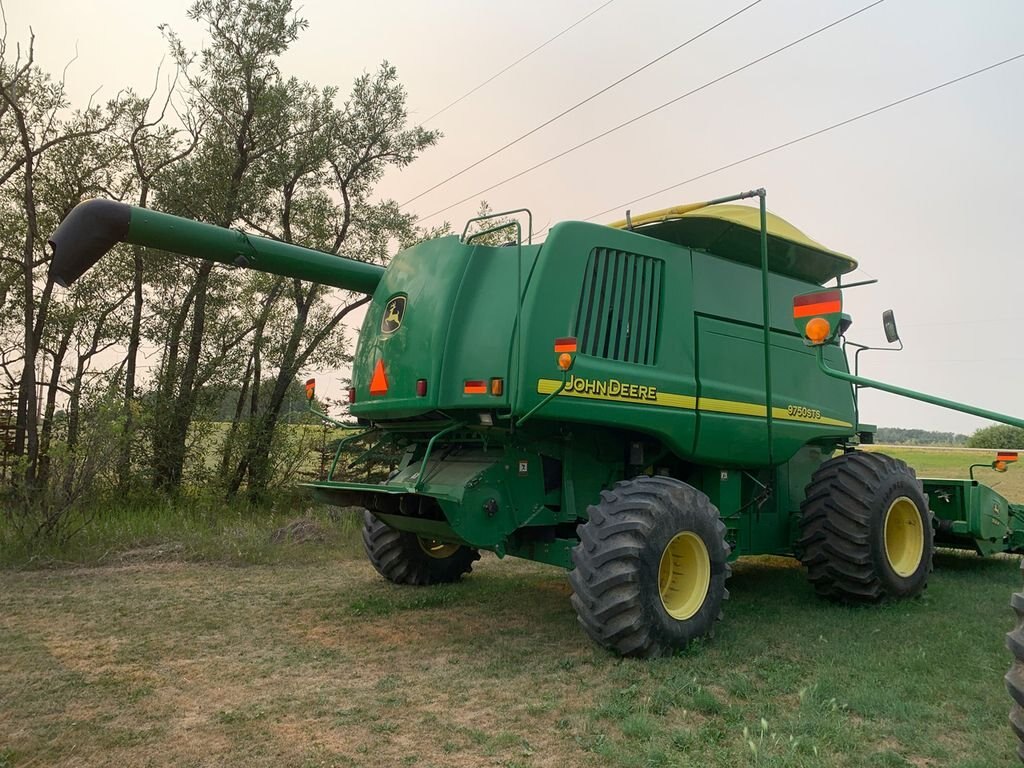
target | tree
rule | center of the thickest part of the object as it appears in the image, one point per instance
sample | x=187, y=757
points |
x=321, y=181
x=997, y=436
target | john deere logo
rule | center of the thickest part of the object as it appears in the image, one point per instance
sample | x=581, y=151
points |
x=393, y=314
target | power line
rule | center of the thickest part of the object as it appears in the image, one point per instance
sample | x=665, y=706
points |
x=517, y=61
x=650, y=112
x=576, y=106
x=811, y=135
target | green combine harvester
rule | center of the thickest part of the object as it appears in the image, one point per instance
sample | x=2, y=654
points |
x=640, y=404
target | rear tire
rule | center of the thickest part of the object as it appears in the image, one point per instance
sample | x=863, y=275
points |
x=650, y=568
x=405, y=558
x=866, y=532
x=1015, y=677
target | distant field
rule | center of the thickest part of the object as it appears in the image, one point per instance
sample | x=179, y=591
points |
x=954, y=462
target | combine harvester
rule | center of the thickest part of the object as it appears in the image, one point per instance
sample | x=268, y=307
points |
x=640, y=404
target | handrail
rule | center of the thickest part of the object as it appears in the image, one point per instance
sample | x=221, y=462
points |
x=909, y=393
x=529, y=232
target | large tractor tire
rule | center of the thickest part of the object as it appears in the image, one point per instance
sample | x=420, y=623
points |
x=866, y=532
x=650, y=568
x=1015, y=677
x=406, y=558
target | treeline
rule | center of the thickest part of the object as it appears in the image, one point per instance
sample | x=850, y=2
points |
x=107, y=381
x=897, y=436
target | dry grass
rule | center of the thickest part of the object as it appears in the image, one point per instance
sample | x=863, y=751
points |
x=308, y=658
x=184, y=664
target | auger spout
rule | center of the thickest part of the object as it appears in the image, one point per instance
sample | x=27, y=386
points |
x=95, y=226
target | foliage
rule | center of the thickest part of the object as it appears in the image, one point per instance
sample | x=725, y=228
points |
x=998, y=436
x=898, y=436
x=227, y=138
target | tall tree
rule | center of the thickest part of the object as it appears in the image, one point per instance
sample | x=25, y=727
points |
x=322, y=180
x=236, y=89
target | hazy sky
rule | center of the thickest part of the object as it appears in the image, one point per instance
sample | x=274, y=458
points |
x=925, y=196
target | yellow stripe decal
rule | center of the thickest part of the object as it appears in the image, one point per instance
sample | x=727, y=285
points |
x=690, y=403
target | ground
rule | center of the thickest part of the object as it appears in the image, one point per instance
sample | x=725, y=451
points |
x=157, y=661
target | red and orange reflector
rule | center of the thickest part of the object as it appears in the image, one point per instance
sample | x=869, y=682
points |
x=1007, y=456
x=475, y=387
x=823, y=303
x=379, y=382
x=565, y=344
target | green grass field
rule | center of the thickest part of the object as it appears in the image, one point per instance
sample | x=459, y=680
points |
x=308, y=658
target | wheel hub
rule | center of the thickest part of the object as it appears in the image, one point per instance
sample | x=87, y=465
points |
x=904, y=537
x=437, y=549
x=684, y=575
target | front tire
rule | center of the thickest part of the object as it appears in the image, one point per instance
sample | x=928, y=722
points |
x=866, y=532
x=405, y=558
x=650, y=568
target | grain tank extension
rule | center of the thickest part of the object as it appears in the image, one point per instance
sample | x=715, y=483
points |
x=638, y=403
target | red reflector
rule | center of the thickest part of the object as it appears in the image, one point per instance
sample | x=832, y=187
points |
x=421, y=387
x=565, y=344
x=475, y=387
x=351, y=395
x=379, y=382
x=823, y=303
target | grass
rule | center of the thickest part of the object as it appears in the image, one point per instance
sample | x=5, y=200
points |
x=307, y=658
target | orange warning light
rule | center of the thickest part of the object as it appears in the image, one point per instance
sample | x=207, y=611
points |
x=817, y=330
x=565, y=361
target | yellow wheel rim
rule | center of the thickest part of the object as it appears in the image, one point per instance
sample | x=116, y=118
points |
x=904, y=537
x=437, y=549
x=684, y=575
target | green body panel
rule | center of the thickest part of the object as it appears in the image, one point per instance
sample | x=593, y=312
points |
x=970, y=515
x=669, y=378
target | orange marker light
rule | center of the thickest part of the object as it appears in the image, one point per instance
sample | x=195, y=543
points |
x=497, y=387
x=565, y=361
x=379, y=382
x=817, y=330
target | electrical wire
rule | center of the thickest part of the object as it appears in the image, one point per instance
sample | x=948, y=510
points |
x=650, y=112
x=812, y=134
x=517, y=61
x=576, y=106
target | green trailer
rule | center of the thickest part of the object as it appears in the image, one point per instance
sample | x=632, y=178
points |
x=640, y=404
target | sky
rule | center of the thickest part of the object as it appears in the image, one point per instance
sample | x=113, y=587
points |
x=925, y=195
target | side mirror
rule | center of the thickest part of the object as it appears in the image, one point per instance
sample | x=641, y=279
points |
x=310, y=389
x=889, y=325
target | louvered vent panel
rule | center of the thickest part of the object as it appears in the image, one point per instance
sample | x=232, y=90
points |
x=619, y=306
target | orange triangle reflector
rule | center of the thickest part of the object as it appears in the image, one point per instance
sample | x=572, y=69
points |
x=379, y=382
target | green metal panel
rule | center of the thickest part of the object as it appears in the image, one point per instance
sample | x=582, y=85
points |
x=971, y=515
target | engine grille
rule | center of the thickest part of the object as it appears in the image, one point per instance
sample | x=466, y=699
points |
x=619, y=306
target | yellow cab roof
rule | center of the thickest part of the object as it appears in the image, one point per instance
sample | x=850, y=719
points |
x=734, y=232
